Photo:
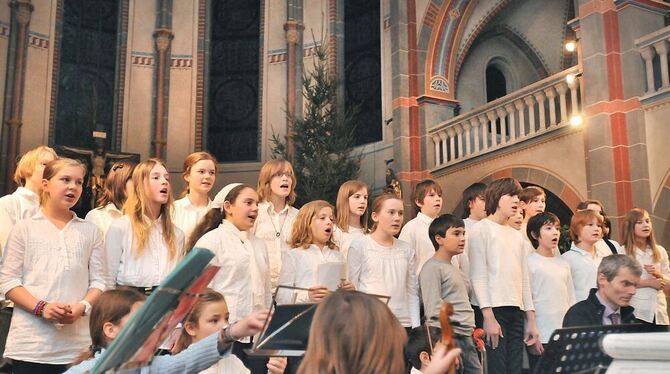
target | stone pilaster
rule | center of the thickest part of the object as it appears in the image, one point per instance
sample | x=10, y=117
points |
x=21, y=11
x=616, y=150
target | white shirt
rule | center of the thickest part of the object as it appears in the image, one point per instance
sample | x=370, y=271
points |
x=243, y=278
x=648, y=302
x=498, y=267
x=103, y=217
x=584, y=268
x=462, y=261
x=187, y=216
x=227, y=365
x=270, y=223
x=388, y=271
x=553, y=292
x=343, y=239
x=299, y=269
x=21, y=204
x=148, y=270
x=415, y=233
x=53, y=265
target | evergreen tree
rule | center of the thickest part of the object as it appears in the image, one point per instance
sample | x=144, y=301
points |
x=324, y=139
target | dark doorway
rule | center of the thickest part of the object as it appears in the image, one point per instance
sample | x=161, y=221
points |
x=496, y=84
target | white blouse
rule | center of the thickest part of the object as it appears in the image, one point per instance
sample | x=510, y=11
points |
x=58, y=265
x=148, y=270
x=187, y=216
x=388, y=271
x=21, y=204
x=299, y=269
x=343, y=239
x=275, y=230
x=103, y=217
x=243, y=278
x=648, y=302
x=584, y=269
x=553, y=292
x=498, y=267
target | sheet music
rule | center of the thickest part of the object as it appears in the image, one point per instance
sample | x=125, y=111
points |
x=330, y=274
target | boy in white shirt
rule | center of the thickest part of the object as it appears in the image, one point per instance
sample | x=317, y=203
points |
x=474, y=206
x=474, y=210
x=499, y=276
x=605, y=246
x=427, y=197
x=550, y=280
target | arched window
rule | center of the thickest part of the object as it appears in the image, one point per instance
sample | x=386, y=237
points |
x=87, y=71
x=496, y=84
x=362, y=61
x=233, y=85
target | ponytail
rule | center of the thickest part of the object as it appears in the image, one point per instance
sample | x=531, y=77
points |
x=209, y=222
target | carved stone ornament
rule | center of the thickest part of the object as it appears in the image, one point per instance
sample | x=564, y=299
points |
x=439, y=84
x=163, y=38
x=23, y=11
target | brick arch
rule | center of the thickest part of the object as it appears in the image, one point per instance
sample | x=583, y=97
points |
x=442, y=30
x=547, y=180
x=541, y=177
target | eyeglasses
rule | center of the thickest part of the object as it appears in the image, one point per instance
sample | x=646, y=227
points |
x=117, y=167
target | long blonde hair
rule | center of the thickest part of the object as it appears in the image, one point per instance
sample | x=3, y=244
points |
x=301, y=236
x=137, y=209
x=628, y=240
x=268, y=171
x=347, y=189
x=354, y=333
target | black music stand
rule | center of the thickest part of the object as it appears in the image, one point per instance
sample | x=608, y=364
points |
x=578, y=349
x=286, y=331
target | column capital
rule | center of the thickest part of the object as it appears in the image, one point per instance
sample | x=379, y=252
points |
x=293, y=29
x=562, y=88
x=519, y=104
x=647, y=53
x=163, y=38
x=23, y=10
x=661, y=47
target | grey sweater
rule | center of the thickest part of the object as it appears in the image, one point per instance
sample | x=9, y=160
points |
x=442, y=282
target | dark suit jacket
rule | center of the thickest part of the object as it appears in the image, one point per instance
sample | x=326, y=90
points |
x=589, y=312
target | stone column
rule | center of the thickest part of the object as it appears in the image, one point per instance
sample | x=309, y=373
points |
x=21, y=11
x=293, y=28
x=162, y=39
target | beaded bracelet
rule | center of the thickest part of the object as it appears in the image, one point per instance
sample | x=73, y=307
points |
x=39, y=308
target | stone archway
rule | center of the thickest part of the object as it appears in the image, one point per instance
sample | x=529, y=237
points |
x=538, y=177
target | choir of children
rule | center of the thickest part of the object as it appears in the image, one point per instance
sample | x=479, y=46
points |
x=498, y=267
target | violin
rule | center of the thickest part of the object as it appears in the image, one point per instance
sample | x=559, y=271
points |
x=447, y=332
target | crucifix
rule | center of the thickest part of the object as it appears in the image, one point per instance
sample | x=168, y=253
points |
x=98, y=162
